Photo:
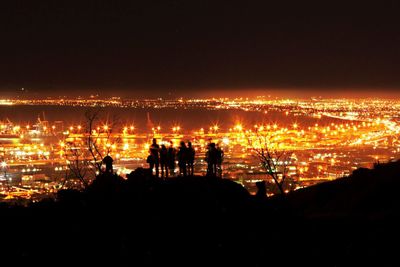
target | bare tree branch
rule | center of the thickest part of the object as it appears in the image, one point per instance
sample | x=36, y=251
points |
x=84, y=154
x=274, y=161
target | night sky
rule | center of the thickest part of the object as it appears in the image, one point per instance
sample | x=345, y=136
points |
x=189, y=46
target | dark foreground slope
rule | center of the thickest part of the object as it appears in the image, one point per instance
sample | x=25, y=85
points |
x=203, y=221
x=353, y=221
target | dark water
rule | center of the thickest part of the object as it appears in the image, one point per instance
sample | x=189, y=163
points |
x=188, y=119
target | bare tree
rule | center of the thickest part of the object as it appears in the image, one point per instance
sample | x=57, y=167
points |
x=93, y=137
x=77, y=165
x=84, y=152
x=274, y=159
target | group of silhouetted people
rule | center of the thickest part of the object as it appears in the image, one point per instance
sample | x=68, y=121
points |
x=165, y=158
x=214, y=158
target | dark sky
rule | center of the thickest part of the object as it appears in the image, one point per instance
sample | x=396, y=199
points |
x=151, y=47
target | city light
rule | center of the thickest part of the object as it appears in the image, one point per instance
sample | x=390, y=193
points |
x=326, y=137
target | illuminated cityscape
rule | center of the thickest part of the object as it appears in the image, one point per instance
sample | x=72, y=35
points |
x=328, y=138
x=199, y=133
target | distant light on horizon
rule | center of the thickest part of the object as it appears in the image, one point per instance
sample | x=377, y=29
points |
x=6, y=102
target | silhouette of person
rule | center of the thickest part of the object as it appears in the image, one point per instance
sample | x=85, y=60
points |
x=211, y=158
x=207, y=158
x=182, y=158
x=107, y=160
x=261, y=190
x=190, y=158
x=164, y=161
x=219, y=159
x=171, y=158
x=155, y=159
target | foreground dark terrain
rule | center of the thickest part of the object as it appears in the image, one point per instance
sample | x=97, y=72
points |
x=205, y=221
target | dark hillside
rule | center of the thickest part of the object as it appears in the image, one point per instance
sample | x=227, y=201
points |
x=205, y=221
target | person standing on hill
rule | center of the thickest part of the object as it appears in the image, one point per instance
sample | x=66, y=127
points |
x=190, y=158
x=164, y=161
x=219, y=159
x=211, y=158
x=182, y=158
x=155, y=158
x=108, y=161
x=171, y=158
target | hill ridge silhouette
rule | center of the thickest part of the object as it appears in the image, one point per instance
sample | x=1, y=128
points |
x=200, y=220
